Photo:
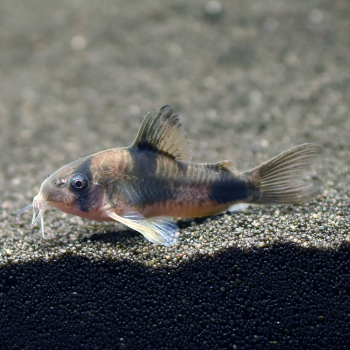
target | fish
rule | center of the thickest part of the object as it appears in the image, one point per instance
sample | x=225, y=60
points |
x=146, y=185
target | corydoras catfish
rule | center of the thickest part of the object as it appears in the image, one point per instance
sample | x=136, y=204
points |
x=147, y=184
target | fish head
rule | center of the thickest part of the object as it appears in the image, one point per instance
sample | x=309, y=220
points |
x=61, y=189
x=71, y=189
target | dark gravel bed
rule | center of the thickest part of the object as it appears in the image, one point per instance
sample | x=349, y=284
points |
x=283, y=297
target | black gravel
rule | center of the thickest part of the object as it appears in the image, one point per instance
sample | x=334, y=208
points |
x=278, y=298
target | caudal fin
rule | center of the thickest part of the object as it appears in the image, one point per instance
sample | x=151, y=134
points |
x=279, y=180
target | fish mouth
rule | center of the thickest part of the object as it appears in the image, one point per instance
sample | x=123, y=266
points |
x=39, y=205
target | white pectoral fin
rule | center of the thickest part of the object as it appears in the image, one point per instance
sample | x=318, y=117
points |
x=238, y=207
x=160, y=230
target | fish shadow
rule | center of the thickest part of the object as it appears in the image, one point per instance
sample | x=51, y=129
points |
x=123, y=237
x=186, y=223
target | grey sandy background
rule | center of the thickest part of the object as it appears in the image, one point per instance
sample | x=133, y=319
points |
x=249, y=81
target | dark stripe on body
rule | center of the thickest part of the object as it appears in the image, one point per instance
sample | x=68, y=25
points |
x=87, y=198
x=84, y=168
x=227, y=189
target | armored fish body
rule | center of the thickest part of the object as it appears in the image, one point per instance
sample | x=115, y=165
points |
x=147, y=184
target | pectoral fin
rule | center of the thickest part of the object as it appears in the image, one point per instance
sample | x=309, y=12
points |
x=160, y=230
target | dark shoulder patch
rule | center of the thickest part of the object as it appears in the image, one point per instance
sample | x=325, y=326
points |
x=145, y=187
x=144, y=161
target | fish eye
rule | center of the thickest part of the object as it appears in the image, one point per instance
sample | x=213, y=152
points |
x=79, y=182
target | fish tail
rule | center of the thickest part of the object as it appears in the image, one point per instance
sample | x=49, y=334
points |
x=279, y=180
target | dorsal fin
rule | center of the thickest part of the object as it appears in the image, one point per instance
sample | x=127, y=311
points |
x=163, y=133
x=224, y=165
